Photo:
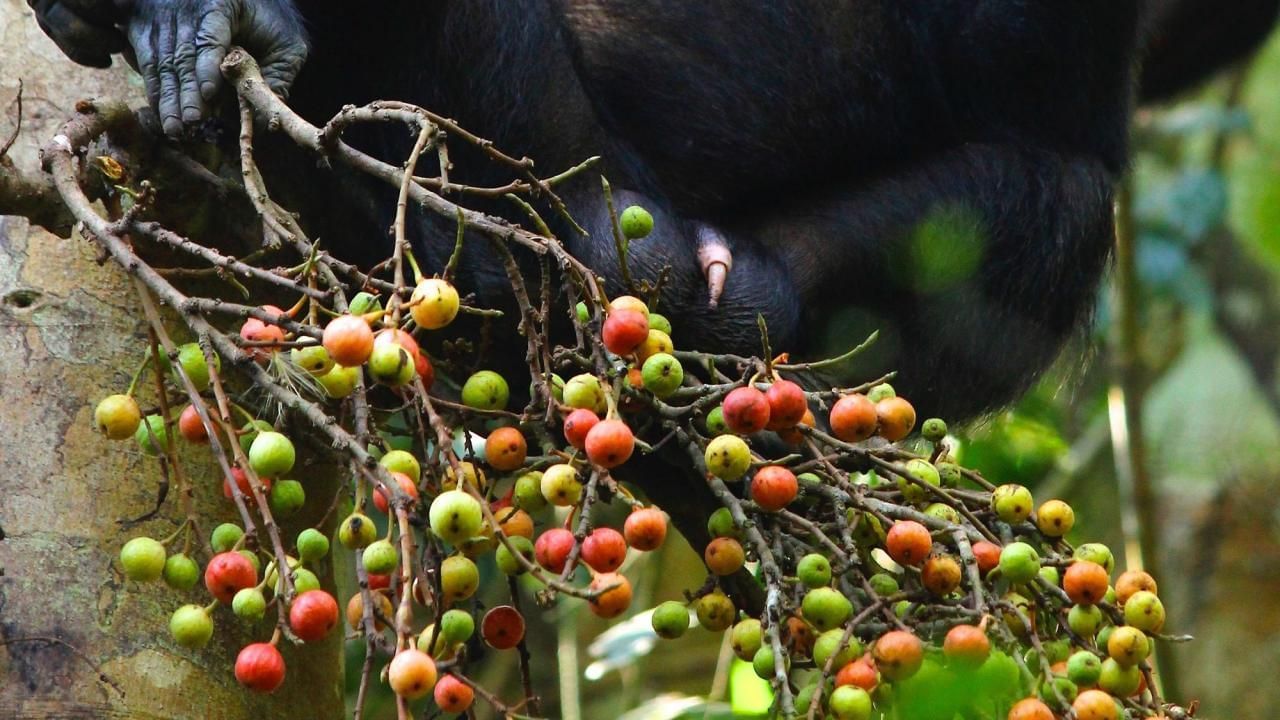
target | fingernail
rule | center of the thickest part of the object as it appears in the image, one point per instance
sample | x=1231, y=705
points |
x=207, y=89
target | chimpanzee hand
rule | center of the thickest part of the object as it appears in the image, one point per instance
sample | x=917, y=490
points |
x=179, y=45
x=84, y=29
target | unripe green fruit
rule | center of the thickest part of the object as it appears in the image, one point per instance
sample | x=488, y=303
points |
x=314, y=359
x=715, y=422
x=721, y=524
x=670, y=619
x=528, y=492
x=391, y=365
x=117, y=417
x=585, y=391
x=312, y=545
x=762, y=662
x=1084, y=668
x=1097, y=553
x=1084, y=620
x=486, y=390
x=921, y=470
x=357, y=531
x=402, y=462
x=814, y=570
x=1049, y=691
x=715, y=611
x=181, y=572
x=1143, y=610
x=883, y=391
x=381, y=557
x=1057, y=650
x=849, y=702
x=828, y=644
x=1050, y=575
x=457, y=626
x=253, y=560
x=1012, y=503
x=560, y=485
x=1019, y=563
x=249, y=604
x=364, y=303
x=943, y=512
x=746, y=638
x=636, y=222
x=340, y=381
x=1128, y=646
x=934, y=429
x=191, y=358
x=271, y=454
x=825, y=608
x=584, y=315
x=804, y=697
x=304, y=580
x=250, y=430
x=659, y=322
x=144, y=438
x=191, y=626
x=455, y=516
x=143, y=559
x=949, y=474
x=728, y=457
x=287, y=498
x=1119, y=680
x=1104, y=636
x=507, y=562
x=459, y=578
x=662, y=374
x=225, y=537
x=884, y=584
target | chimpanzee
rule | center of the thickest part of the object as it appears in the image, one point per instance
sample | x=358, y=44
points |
x=940, y=171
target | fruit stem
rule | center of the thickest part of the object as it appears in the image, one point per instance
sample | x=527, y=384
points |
x=137, y=374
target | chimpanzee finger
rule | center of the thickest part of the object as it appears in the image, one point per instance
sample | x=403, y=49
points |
x=84, y=43
x=142, y=36
x=170, y=110
x=212, y=40
x=281, y=65
x=188, y=85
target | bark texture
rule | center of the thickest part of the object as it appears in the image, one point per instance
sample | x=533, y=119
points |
x=70, y=333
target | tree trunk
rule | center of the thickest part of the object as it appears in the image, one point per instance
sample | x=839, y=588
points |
x=77, y=639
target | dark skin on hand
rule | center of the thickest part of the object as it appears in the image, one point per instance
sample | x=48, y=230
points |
x=942, y=173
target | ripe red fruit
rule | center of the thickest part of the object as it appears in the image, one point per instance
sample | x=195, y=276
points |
x=724, y=556
x=859, y=673
x=255, y=330
x=774, y=487
x=349, y=340
x=792, y=435
x=406, y=486
x=988, y=556
x=966, y=645
x=908, y=542
x=610, y=443
x=453, y=695
x=190, y=426
x=624, y=330
x=898, y=654
x=577, y=425
x=425, y=369
x=552, y=549
x=399, y=337
x=502, y=627
x=313, y=614
x=1134, y=581
x=604, y=550
x=1085, y=582
x=379, y=582
x=897, y=418
x=242, y=482
x=227, y=574
x=645, y=529
x=411, y=674
x=853, y=418
x=506, y=449
x=941, y=575
x=260, y=667
x=746, y=410
x=613, y=602
x=787, y=405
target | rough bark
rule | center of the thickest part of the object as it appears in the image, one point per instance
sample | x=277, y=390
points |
x=70, y=333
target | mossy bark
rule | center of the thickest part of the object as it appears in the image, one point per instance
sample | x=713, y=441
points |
x=76, y=638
